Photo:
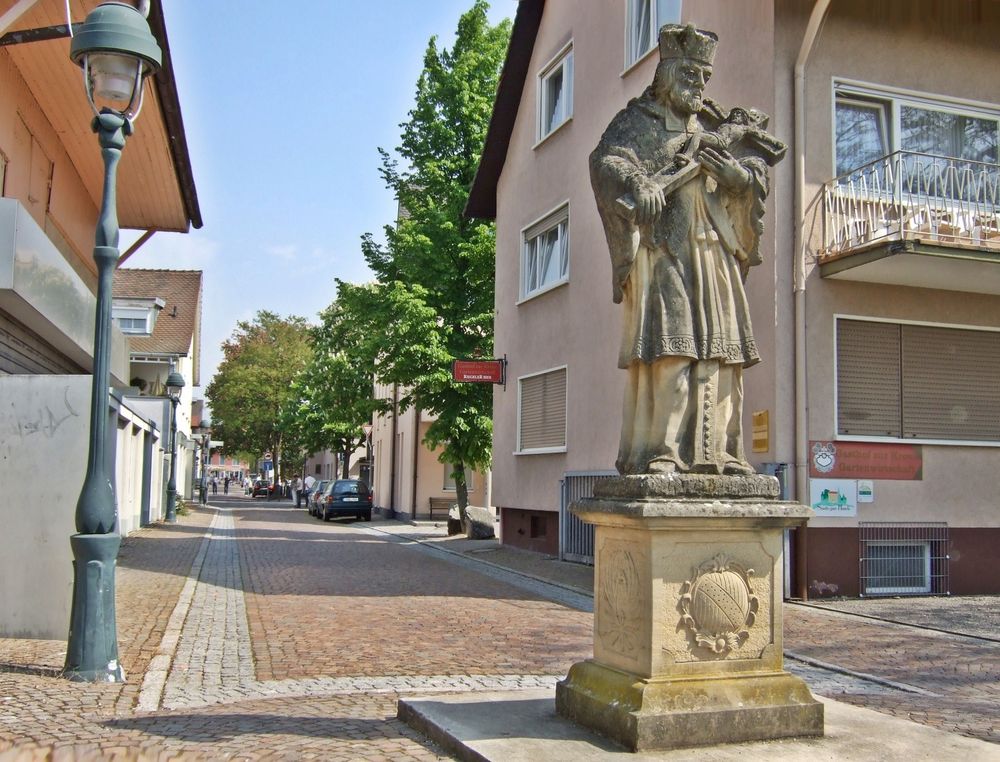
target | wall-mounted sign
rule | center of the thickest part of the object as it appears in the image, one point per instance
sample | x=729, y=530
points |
x=833, y=497
x=761, y=431
x=479, y=371
x=864, y=460
x=866, y=491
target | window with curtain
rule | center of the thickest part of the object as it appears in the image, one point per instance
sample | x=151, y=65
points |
x=909, y=381
x=862, y=133
x=870, y=125
x=555, y=93
x=541, y=411
x=545, y=254
x=642, y=25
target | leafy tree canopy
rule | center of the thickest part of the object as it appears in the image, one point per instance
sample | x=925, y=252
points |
x=254, y=383
x=433, y=298
x=333, y=397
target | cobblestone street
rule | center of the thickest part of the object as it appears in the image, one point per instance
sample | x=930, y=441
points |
x=252, y=631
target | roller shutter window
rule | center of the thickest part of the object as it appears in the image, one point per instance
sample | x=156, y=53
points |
x=868, y=379
x=951, y=383
x=542, y=411
x=917, y=382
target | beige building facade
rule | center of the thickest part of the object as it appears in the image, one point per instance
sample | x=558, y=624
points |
x=875, y=310
x=407, y=478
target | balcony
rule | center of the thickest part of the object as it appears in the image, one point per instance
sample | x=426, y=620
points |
x=914, y=219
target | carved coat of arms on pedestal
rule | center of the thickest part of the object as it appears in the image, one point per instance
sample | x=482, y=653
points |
x=718, y=605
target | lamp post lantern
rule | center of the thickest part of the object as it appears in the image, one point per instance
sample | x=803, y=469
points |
x=116, y=51
x=175, y=385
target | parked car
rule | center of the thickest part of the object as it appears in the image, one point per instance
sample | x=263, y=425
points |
x=314, y=494
x=346, y=497
x=261, y=488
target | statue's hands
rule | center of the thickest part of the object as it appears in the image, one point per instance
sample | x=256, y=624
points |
x=649, y=199
x=728, y=172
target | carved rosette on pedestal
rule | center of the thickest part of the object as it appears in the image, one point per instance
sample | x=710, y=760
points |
x=687, y=615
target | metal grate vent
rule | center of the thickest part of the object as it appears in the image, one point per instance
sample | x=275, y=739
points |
x=576, y=539
x=903, y=558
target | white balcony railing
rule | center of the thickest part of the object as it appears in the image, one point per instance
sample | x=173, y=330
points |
x=906, y=195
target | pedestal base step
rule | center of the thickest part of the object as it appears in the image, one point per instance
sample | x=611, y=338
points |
x=647, y=715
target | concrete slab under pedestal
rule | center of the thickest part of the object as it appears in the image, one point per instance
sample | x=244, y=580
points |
x=516, y=726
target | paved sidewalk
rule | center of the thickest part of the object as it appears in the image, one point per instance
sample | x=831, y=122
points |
x=251, y=631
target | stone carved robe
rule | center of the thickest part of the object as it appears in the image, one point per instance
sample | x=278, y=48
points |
x=687, y=333
x=684, y=274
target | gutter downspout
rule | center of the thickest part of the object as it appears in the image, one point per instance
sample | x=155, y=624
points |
x=392, y=450
x=416, y=459
x=813, y=27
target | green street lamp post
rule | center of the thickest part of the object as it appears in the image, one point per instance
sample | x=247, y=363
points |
x=175, y=384
x=116, y=51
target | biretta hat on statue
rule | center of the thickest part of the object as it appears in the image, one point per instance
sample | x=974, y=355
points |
x=678, y=41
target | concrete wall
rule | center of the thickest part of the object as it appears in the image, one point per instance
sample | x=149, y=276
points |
x=44, y=430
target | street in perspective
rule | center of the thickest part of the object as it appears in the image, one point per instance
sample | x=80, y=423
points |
x=251, y=630
x=535, y=381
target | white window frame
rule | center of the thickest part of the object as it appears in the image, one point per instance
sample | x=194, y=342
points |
x=561, y=62
x=895, y=98
x=542, y=450
x=556, y=218
x=908, y=440
x=449, y=483
x=663, y=12
x=133, y=313
x=926, y=553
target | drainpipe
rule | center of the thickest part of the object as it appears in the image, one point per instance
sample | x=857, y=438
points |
x=392, y=449
x=799, y=275
x=416, y=456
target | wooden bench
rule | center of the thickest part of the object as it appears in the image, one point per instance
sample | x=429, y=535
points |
x=440, y=506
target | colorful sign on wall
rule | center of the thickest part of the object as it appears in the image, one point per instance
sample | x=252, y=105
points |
x=833, y=497
x=864, y=460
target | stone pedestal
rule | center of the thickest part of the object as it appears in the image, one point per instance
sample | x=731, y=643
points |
x=687, y=615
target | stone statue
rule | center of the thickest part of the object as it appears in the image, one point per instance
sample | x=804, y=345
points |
x=680, y=185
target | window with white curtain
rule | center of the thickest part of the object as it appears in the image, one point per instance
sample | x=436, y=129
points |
x=870, y=125
x=555, y=92
x=545, y=253
x=642, y=25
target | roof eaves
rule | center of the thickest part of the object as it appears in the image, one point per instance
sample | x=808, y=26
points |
x=483, y=194
x=166, y=90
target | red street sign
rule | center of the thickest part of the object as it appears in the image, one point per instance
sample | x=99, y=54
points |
x=478, y=371
x=863, y=460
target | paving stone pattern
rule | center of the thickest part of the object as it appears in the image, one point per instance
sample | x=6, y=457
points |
x=253, y=631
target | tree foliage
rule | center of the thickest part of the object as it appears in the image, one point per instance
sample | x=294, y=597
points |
x=333, y=397
x=254, y=383
x=433, y=299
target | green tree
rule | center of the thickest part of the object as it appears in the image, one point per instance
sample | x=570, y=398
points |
x=434, y=290
x=334, y=397
x=254, y=384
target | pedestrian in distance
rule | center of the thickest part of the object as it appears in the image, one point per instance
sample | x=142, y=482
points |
x=225, y=486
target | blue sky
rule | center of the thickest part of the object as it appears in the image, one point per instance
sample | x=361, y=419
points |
x=284, y=108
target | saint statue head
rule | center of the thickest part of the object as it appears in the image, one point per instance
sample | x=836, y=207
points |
x=686, y=56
